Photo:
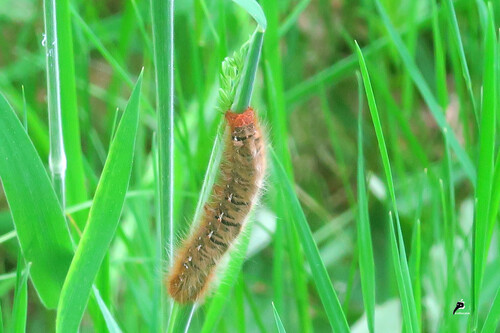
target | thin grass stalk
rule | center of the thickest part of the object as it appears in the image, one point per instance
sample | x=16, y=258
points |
x=455, y=34
x=57, y=155
x=364, y=241
x=162, y=13
x=75, y=190
x=25, y=111
x=485, y=167
x=245, y=88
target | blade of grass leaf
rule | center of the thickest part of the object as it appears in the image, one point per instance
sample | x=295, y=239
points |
x=452, y=20
x=365, y=248
x=111, y=324
x=162, y=15
x=293, y=17
x=399, y=277
x=20, y=307
x=485, y=165
x=406, y=291
x=239, y=305
x=415, y=264
x=279, y=324
x=25, y=111
x=103, y=219
x=448, y=246
x=493, y=317
x=448, y=207
x=253, y=8
x=41, y=229
x=245, y=87
x=495, y=196
x=427, y=95
x=439, y=58
x=57, y=155
x=323, y=283
x=75, y=177
x=8, y=236
x=1, y=319
x=172, y=319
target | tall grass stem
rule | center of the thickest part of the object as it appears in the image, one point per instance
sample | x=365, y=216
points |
x=57, y=155
x=162, y=12
x=245, y=89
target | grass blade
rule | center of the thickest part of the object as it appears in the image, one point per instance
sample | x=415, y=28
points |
x=429, y=98
x=57, y=155
x=403, y=292
x=485, y=165
x=20, y=307
x=293, y=17
x=405, y=286
x=493, y=317
x=245, y=87
x=253, y=8
x=415, y=264
x=111, y=324
x=279, y=324
x=75, y=179
x=439, y=58
x=495, y=196
x=324, y=285
x=365, y=248
x=162, y=15
x=103, y=219
x=41, y=229
x=455, y=33
x=1, y=319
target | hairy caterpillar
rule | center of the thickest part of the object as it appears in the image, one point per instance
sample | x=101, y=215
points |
x=233, y=196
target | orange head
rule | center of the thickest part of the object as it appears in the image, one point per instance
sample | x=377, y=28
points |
x=240, y=119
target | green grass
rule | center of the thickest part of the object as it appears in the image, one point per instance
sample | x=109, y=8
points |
x=380, y=208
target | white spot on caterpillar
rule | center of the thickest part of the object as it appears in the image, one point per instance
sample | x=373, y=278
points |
x=190, y=258
x=198, y=247
x=210, y=234
x=220, y=217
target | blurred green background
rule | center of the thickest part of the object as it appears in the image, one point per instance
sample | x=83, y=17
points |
x=307, y=95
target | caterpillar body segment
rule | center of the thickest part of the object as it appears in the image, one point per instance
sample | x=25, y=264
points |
x=225, y=212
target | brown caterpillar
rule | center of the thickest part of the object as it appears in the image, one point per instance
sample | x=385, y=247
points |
x=225, y=212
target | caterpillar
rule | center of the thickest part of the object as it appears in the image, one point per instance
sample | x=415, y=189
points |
x=224, y=214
